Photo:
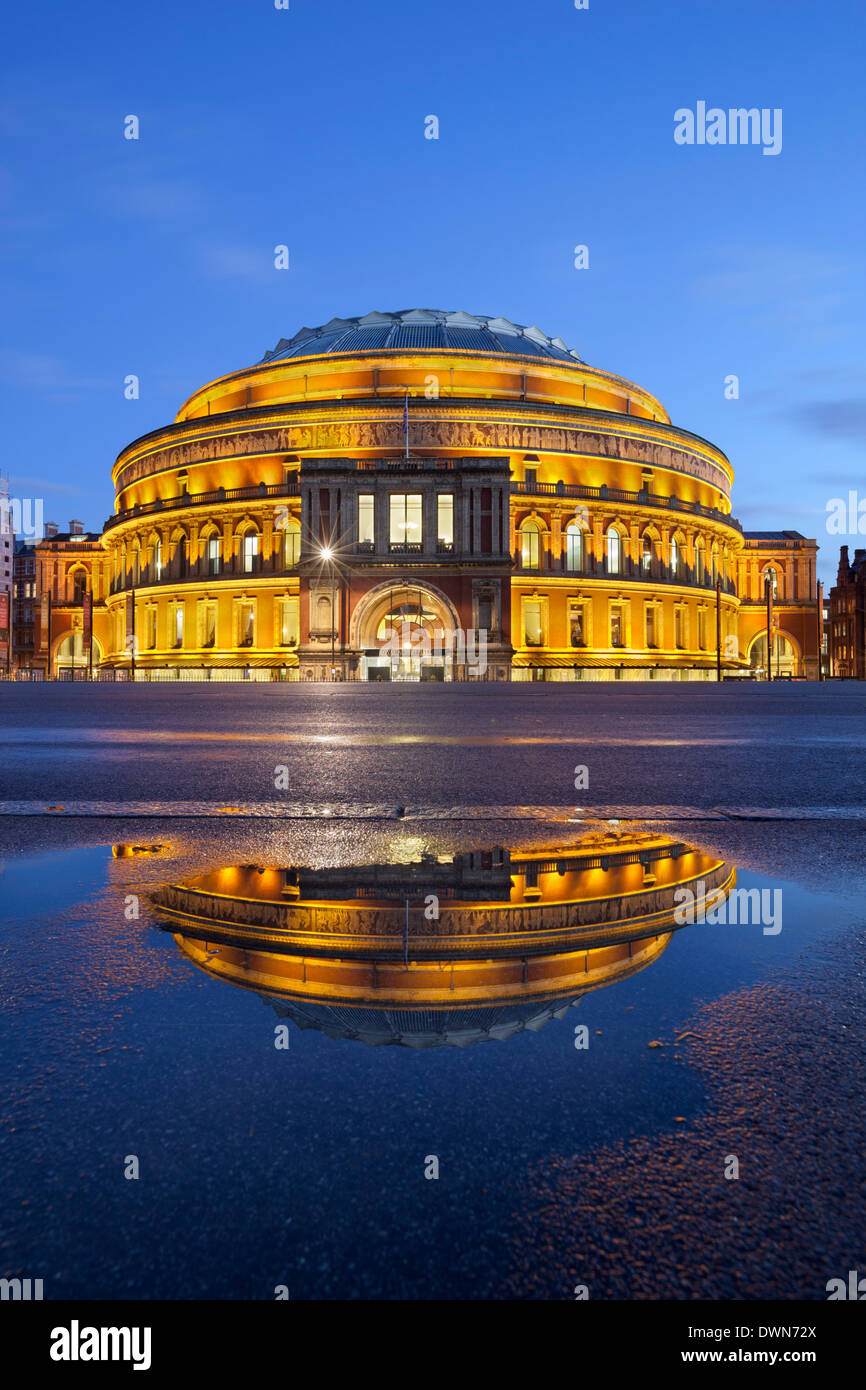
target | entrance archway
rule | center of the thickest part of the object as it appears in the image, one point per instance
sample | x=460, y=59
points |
x=785, y=655
x=406, y=632
x=71, y=656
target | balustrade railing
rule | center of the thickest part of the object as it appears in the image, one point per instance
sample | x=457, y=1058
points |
x=603, y=493
x=657, y=572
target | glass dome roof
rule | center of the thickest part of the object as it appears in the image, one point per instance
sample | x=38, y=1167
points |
x=422, y=330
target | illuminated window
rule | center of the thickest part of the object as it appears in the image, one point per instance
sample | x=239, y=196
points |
x=771, y=580
x=250, y=552
x=577, y=625
x=573, y=548
x=287, y=631
x=530, y=546
x=208, y=625
x=533, y=631
x=292, y=545
x=213, y=555
x=405, y=521
x=445, y=520
x=177, y=639
x=158, y=559
x=675, y=556
x=646, y=557
x=367, y=520
x=614, y=551
x=617, y=625
x=246, y=623
x=652, y=626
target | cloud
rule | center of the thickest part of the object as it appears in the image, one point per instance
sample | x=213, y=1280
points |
x=841, y=419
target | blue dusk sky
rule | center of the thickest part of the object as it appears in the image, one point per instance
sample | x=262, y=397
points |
x=305, y=127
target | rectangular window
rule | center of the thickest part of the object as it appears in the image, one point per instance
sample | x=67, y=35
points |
x=530, y=478
x=702, y=629
x=445, y=521
x=576, y=630
x=208, y=625
x=485, y=614
x=616, y=626
x=246, y=624
x=679, y=629
x=150, y=628
x=177, y=640
x=366, y=521
x=405, y=521
x=287, y=631
x=534, y=636
x=213, y=555
x=652, y=637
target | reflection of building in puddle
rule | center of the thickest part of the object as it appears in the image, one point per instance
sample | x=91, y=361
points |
x=443, y=950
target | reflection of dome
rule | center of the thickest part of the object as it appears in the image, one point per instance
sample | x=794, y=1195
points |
x=513, y=939
x=422, y=1028
x=419, y=330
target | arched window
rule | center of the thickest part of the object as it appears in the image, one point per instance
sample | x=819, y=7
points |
x=573, y=548
x=646, y=555
x=136, y=564
x=250, y=552
x=291, y=544
x=157, y=559
x=614, y=551
x=212, y=552
x=182, y=559
x=771, y=580
x=700, y=561
x=79, y=586
x=675, y=557
x=530, y=546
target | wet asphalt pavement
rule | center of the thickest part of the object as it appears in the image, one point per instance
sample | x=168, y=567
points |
x=305, y=1167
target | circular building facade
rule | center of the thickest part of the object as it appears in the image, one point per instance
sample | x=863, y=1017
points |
x=422, y=495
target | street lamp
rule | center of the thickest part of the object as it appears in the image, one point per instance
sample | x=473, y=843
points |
x=327, y=556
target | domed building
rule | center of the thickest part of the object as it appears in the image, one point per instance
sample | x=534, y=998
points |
x=431, y=495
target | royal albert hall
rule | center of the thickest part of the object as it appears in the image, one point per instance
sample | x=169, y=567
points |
x=444, y=496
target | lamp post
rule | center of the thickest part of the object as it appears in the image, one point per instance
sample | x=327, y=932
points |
x=768, y=589
x=327, y=555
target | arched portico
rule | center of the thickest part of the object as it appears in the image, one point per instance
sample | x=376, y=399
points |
x=787, y=658
x=406, y=631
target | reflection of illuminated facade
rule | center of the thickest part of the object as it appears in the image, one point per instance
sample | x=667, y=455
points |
x=421, y=473
x=360, y=952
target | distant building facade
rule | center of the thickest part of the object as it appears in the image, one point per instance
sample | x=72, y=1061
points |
x=846, y=628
